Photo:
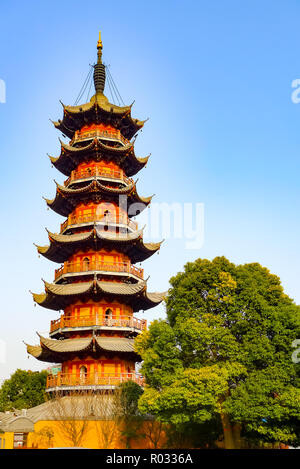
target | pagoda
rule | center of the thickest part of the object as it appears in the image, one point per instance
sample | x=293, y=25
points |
x=98, y=287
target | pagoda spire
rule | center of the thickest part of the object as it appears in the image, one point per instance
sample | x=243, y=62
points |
x=99, y=69
x=99, y=48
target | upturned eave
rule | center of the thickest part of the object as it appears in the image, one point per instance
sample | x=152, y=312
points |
x=58, y=296
x=62, y=246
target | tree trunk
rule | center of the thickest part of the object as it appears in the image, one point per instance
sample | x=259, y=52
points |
x=237, y=436
x=229, y=441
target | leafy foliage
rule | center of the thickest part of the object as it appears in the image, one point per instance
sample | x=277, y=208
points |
x=129, y=418
x=224, y=352
x=24, y=389
x=193, y=435
x=129, y=393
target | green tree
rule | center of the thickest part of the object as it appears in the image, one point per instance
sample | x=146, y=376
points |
x=193, y=435
x=24, y=389
x=129, y=418
x=224, y=353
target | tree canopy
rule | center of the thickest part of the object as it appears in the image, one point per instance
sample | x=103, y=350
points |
x=24, y=389
x=225, y=352
x=129, y=418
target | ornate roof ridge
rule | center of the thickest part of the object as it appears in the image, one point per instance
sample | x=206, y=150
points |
x=48, y=348
x=85, y=287
x=97, y=101
x=60, y=206
x=132, y=163
x=100, y=101
x=95, y=183
x=96, y=142
x=74, y=116
x=100, y=234
x=139, y=250
x=96, y=287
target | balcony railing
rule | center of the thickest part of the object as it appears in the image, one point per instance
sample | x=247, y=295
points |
x=100, y=172
x=121, y=321
x=92, y=379
x=105, y=134
x=77, y=220
x=81, y=267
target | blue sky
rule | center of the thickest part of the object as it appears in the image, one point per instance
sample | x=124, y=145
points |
x=214, y=78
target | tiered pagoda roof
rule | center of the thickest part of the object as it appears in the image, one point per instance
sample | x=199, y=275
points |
x=124, y=156
x=98, y=110
x=53, y=351
x=58, y=296
x=66, y=198
x=132, y=244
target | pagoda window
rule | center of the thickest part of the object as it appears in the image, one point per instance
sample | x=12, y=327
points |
x=86, y=264
x=108, y=316
x=82, y=373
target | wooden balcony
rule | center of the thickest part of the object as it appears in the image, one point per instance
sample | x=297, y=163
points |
x=102, y=134
x=102, y=172
x=92, y=380
x=79, y=322
x=80, y=219
x=85, y=267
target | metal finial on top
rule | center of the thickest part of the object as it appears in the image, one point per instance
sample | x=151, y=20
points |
x=99, y=43
x=99, y=68
x=99, y=48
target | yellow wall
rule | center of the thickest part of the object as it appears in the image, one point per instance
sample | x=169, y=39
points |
x=99, y=434
x=9, y=440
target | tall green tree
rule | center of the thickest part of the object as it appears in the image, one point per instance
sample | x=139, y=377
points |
x=224, y=353
x=129, y=418
x=24, y=389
